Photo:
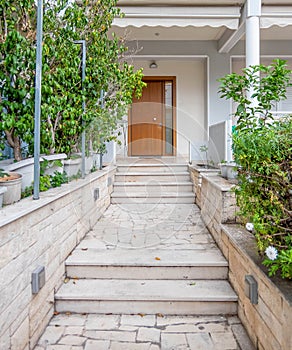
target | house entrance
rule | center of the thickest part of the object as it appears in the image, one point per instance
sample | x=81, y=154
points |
x=152, y=119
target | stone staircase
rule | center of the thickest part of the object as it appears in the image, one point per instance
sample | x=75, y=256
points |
x=183, y=274
x=152, y=183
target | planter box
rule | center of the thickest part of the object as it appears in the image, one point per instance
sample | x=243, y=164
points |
x=13, y=188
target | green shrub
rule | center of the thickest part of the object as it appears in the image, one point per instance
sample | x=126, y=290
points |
x=262, y=149
x=264, y=191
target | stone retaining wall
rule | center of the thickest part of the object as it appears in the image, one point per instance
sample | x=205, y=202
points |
x=196, y=173
x=43, y=233
x=218, y=203
x=268, y=322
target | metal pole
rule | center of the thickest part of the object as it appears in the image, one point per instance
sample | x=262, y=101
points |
x=38, y=95
x=83, y=43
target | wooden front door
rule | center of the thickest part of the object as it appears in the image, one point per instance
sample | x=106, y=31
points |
x=151, y=119
x=146, y=121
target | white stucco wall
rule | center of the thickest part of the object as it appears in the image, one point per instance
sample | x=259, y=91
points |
x=190, y=97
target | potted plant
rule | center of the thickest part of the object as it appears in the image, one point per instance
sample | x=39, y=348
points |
x=53, y=163
x=231, y=170
x=223, y=168
x=11, y=182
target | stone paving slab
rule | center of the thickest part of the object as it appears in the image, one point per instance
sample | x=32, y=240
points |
x=138, y=226
x=143, y=332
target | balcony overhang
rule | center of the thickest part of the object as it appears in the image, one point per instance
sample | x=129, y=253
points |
x=186, y=16
x=279, y=16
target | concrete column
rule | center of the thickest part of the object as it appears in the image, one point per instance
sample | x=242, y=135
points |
x=252, y=34
x=252, y=41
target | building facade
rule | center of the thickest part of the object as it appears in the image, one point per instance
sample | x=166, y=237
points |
x=184, y=47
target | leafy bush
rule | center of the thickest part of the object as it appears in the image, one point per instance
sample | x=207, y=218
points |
x=17, y=64
x=262, y=149
x=47, y=182
x=64, y=95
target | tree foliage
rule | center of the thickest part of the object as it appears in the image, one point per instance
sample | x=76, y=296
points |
x=17, y=61
x=62, y=117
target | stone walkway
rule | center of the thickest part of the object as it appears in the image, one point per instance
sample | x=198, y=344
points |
x=144, y=332
x=157, y=226
x=138, y=227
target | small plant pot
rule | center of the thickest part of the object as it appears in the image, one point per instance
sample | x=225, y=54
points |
x=89, y=164
x=72, y=166
x=56, y=163
x=12, y=183
x=231, y=171
x=223, y=170
x=97, y=161
x=24, y=167
x=3, y=189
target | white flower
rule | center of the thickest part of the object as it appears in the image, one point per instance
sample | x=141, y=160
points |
x=249, y=226
x=272, y=253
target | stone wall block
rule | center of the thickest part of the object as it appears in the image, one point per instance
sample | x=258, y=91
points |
x=12, y=290
x=43, y=321
x=15, y=308
x=5, y=340
x=20, y=339
x=269, y=318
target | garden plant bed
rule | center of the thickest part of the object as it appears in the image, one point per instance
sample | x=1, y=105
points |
x=269, y=321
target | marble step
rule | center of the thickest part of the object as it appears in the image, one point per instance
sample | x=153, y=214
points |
x=161, y=167
x=153, y=186
x=152, y=197
x=146, y=264
x=178, y=297
x=152, y=176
